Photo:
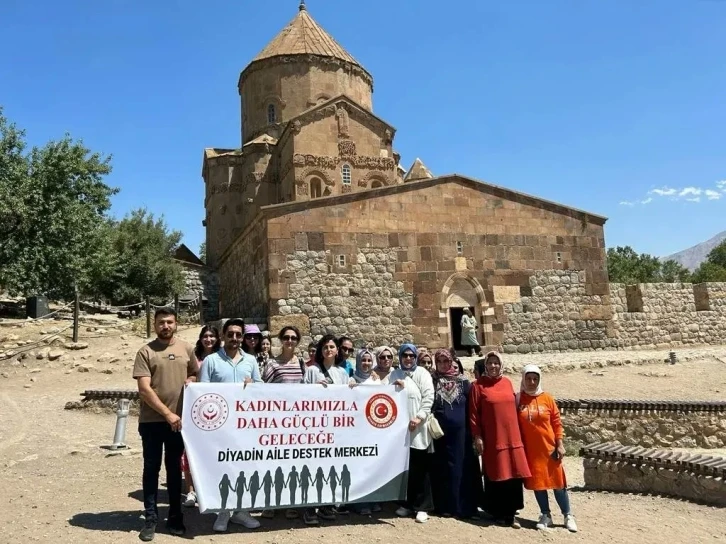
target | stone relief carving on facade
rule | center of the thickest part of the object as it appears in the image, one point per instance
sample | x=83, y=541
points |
x=330, y=163
x=343, y=123
x=346, y=189
x=346, y=148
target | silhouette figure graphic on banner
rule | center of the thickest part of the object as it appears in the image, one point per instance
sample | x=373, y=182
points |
x=333, y=481
x=254, y=487
x=267, y=484
x=240, y=487
x=279, y=485
x=345, y=484
x=291, y=483
x=306, y=481
x=224, y=486
x=319, y=482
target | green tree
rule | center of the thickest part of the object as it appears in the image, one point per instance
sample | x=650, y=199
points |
x=714, y=267
x=625, y=265
x=203, y=251
x=672, y=272
x=138, y=260
x=53, y=205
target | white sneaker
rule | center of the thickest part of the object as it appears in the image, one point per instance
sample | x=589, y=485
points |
x=545, y=520
x=422, y=517
x=403, y=512
x=243, y=518
x=220, y=524
x=191, y=500
x=570, y=523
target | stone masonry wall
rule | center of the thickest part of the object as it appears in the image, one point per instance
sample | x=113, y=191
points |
x=243, y=274
x=413, y=246
x=649, y=429
x=631, y=477
x=200, y=279
x=657, y=315
x=557, y=313
x=362, y=299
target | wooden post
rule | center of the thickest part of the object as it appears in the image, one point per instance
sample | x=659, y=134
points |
x=176, y=306
x=148, y=317
x=76, y=316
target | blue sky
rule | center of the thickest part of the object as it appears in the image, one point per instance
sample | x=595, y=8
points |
x=613, y=106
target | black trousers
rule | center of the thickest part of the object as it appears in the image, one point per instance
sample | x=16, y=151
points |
x=418, y=495
x=158, y=439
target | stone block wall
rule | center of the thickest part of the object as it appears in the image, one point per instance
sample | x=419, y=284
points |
x=661, y=428
x=557, y=312
x=416, y=245
x=632, y=477
x=201, y=279
x=244, y=274
x=659, y=315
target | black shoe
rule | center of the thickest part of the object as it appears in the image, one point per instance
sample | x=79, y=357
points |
x=343, y=510
x=175, y=526
x=149, y=530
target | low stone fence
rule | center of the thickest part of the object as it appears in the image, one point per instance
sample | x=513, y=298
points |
x=611, y=467
x=645, y=423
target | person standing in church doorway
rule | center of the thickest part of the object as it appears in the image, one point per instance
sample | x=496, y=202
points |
x=468, y=333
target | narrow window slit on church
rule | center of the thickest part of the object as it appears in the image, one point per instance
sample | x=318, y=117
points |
x=559, y=257
x=341, y=261
x=271, y=115
x=459, y=248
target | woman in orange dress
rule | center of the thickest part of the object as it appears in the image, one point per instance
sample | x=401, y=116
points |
x=542, y=433
x=495, y=431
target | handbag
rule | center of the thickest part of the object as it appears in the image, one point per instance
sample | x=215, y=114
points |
x=434, y=428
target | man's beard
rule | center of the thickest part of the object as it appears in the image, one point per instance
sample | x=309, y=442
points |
x=166, y=333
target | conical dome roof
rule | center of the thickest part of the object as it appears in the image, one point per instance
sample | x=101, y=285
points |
x=304, y=36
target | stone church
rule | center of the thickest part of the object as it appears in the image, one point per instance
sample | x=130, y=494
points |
x=313, y=221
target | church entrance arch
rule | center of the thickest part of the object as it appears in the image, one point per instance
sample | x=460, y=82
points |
x=462, y=291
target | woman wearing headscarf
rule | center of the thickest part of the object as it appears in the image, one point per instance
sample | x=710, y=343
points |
x=420, y=391
x=363, y=373
x=425, y=360
x=542, y=433
x=497, y=438
x=457, y=488
x=384, y=364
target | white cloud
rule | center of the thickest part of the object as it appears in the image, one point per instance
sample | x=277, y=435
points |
x=711, y=194
x=688, y=194
x=665, y=191
x=695, y=191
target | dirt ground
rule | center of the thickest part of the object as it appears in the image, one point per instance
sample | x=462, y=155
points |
x=60, y=486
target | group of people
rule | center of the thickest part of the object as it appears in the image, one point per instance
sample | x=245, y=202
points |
x=459, y=430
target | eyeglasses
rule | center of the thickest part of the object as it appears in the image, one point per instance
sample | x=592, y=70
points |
x=347, y=350
x=289, y=338
x=389, y=357
x=408, y=356
x=250, y=337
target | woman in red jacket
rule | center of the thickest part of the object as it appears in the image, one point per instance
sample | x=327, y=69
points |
x=496, y=435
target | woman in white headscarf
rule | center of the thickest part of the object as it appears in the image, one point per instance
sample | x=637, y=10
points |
x=542, y=434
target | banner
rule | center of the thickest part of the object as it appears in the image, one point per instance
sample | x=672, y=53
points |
x=268, y=446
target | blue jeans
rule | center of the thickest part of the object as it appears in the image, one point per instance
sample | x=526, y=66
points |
x=563, y=501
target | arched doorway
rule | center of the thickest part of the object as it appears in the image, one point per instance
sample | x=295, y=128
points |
x=462, y=291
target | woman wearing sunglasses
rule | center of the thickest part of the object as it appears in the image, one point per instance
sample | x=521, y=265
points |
x=420, y=390
x=384, y=364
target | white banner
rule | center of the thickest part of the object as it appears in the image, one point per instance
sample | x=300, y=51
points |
x=281, y=446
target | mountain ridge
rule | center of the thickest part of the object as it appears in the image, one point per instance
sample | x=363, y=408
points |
x=692, y=257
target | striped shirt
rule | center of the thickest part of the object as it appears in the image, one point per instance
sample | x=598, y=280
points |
x=278, y=371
